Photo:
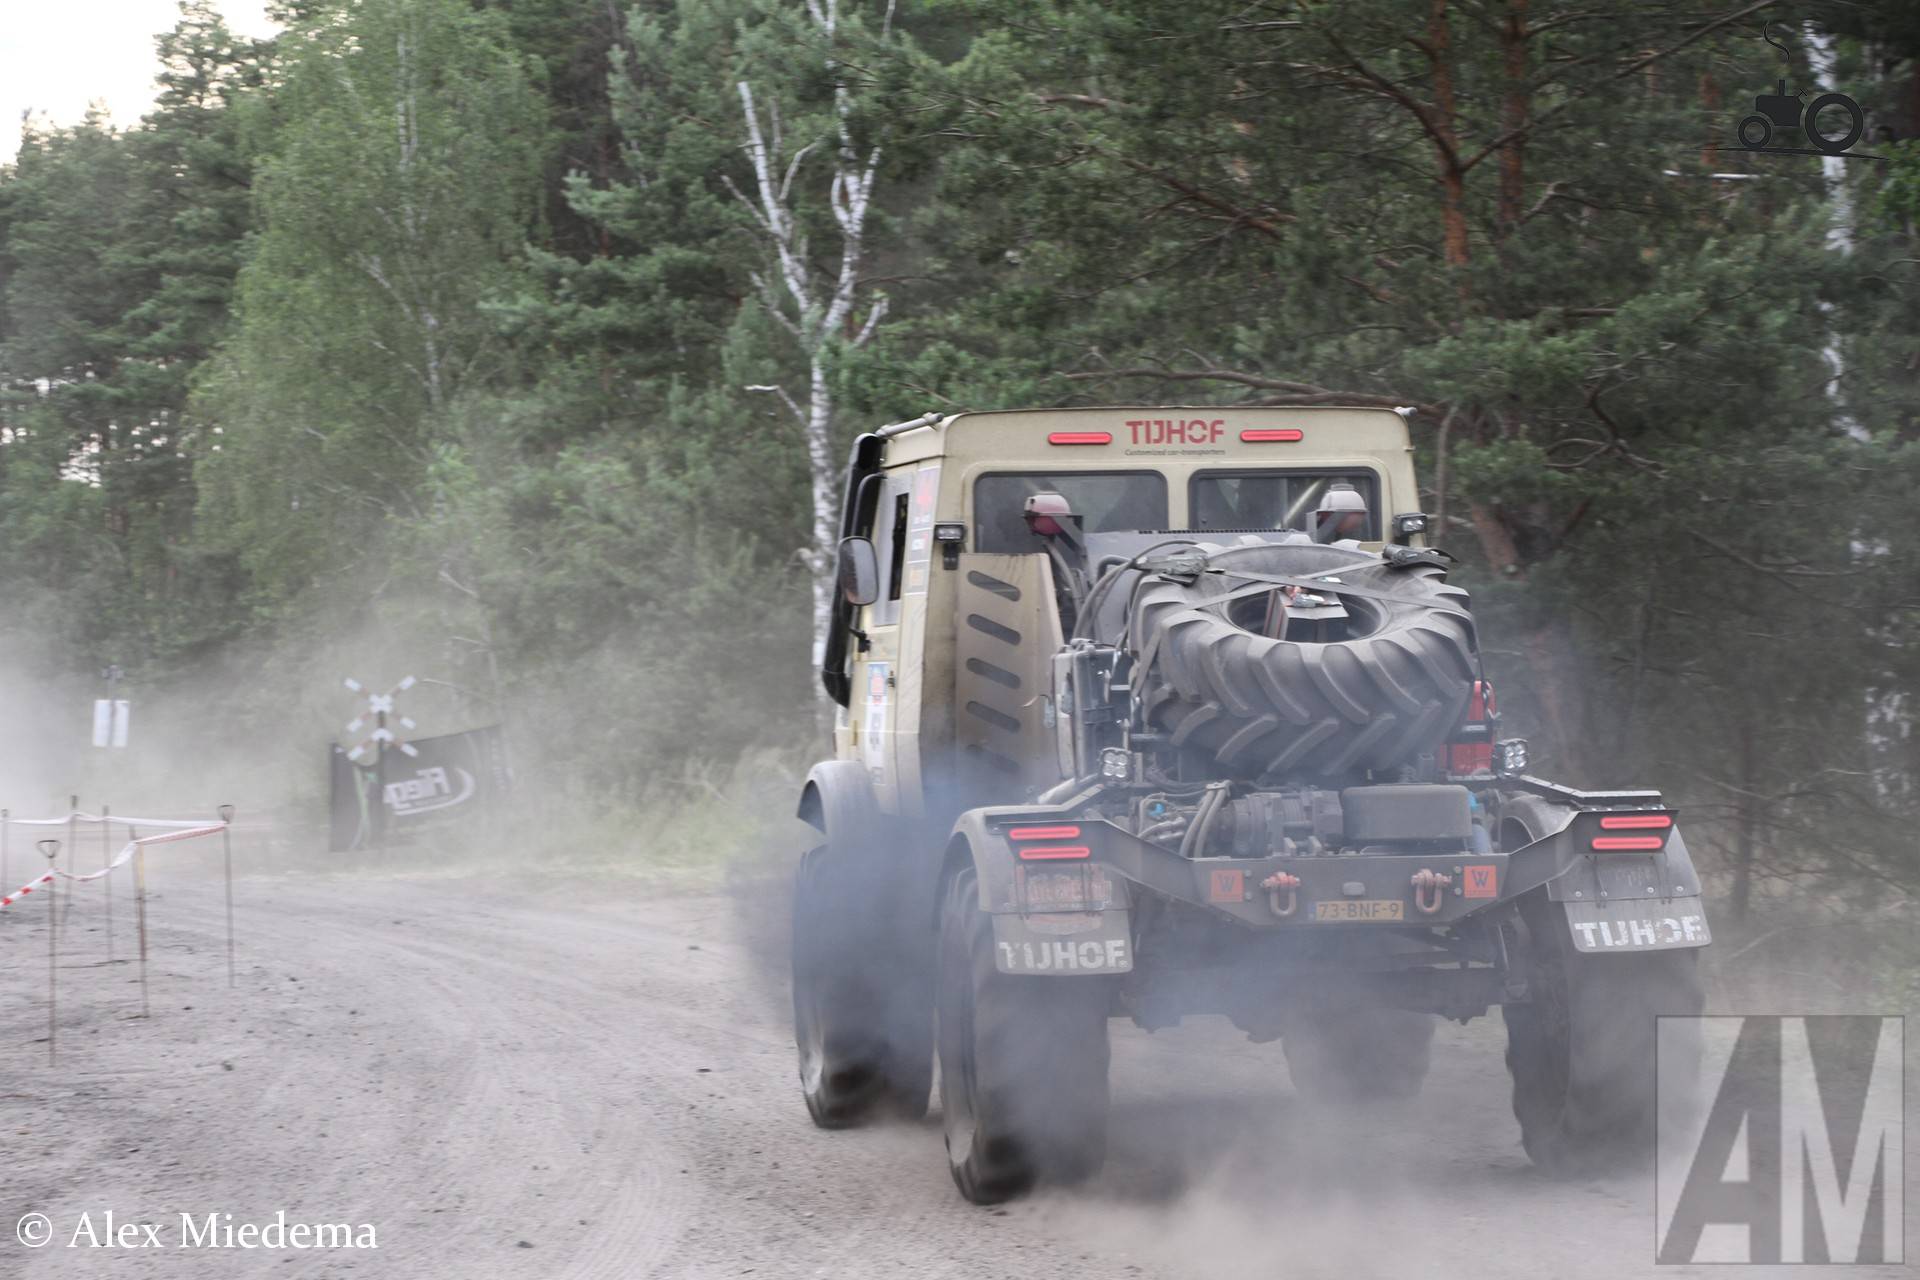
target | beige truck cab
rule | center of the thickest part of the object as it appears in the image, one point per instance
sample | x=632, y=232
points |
x=942, y=506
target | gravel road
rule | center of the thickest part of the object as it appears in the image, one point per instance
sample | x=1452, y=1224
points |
x=584, y=1079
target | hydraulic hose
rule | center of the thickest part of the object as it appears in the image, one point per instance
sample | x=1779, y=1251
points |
x=1206, y=824
x=1202, y=818
x=1097, y=595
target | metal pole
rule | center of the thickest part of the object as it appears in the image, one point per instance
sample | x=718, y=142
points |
x=106, y=860
x=140, y=901
x=380, y=778
x=73, y=838
x=226, y=847
x=51, y=848
x=6, y=825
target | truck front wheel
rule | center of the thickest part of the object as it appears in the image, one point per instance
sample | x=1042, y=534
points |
x=1581, y=1050
x=860, y=1016
x=1023, y=1062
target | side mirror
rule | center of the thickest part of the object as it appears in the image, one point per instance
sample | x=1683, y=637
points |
x=858, y=571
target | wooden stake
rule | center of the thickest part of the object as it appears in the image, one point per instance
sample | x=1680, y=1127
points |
x=140, y=901
x=106, y=860
x=226, y=847
x=51, y=848
x=73, y=838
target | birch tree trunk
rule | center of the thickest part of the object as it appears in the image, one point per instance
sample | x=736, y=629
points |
x=815, y=305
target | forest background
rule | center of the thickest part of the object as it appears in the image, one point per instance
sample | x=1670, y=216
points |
x=514, y=345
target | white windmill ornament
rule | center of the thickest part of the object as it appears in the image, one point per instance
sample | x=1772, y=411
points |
x=379, y=708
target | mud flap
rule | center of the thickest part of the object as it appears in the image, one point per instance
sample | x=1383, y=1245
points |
x=1064, y=944
x=1646, y=924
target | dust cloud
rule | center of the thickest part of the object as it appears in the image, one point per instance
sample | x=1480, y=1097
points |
x=1217, y=1166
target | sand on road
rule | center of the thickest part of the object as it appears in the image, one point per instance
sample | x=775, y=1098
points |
x=581, y=1079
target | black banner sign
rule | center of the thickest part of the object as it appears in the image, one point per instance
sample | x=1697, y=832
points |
x=456, y=775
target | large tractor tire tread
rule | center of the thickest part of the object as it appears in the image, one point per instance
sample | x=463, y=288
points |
x=1265, y=706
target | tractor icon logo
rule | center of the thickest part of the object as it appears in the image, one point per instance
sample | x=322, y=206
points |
x=1782, y=110
x=1831, y=123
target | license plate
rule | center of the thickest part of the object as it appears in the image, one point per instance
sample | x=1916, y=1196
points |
x=1360, y=909
x=1065, y=890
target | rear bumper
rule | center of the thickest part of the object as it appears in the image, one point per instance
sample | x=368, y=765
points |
x=1610, y=901
x=1356, y=890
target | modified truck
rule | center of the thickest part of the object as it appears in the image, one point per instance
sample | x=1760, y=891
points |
x=1148, y=712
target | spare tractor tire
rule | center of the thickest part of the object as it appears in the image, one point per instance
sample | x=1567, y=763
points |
x=1394, y=684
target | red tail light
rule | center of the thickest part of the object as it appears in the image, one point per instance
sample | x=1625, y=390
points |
x=1662, y=823
x=1048, y=852
x=1272, y=435
x=1080, y=437
x=1471, y=751
x=1470, y=757
x=1044, y=833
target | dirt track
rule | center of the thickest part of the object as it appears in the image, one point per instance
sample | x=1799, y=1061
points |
x=589, y=1082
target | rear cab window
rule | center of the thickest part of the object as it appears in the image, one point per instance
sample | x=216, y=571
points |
x=1266, y=498
x=1106, y=501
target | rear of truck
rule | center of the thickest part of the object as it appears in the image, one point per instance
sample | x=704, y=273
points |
x=1165, y=751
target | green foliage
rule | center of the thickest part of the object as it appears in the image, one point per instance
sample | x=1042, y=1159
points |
x=434, y=321
x=117, y=256
x=394, y=200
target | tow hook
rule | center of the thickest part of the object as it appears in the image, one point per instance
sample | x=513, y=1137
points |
x=1425, y=880
x=1273, y=884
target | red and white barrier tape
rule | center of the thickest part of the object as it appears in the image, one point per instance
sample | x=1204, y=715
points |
x=191, y=833
x=26, y=889
x=165, y=824
x=120, y=860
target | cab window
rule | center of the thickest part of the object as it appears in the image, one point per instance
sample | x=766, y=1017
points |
x=1106, y=501
x=1260, y=500
x=889, y=534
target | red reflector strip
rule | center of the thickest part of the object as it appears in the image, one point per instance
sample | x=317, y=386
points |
x=1278, y=435
x=1080, y=437
x=1636, y=821
x=1620, y=844
x=1044, y=833
x=1481, y=705
x=1047, y=852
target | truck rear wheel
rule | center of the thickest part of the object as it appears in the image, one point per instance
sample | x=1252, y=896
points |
x=1581, y=1051
x=1023, y=1062
x=860, y=1019
x=1362, y=1055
